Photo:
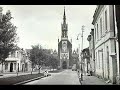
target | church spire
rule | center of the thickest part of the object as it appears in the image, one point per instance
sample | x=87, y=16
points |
x=64, y=27
x=64, y=16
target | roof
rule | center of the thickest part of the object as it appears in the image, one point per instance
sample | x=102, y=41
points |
x=97, y=11
x=27, y=50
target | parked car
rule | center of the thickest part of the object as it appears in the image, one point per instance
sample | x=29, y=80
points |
x=74, y=67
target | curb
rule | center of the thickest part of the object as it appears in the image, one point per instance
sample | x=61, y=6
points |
x=20, y=83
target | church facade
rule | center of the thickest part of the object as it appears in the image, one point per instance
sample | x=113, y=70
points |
x=64, y=47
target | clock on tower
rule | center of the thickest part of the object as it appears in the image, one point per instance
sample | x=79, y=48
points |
x=64, y=46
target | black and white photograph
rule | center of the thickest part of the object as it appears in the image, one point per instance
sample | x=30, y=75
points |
x=59, y=45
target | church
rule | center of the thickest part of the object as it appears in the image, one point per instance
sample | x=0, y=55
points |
x=64, y=47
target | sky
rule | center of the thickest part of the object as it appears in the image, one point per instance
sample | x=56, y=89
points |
x=41, y=24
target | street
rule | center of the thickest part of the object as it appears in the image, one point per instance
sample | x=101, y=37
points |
x=66, y=77
x=55, y=47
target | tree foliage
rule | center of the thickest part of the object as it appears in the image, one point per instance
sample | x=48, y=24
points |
x=53, y=62
x=37, y=56
x=8, y=36
x=40, y=57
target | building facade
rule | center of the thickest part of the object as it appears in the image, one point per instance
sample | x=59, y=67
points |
x=64, y=47
x=75, y=57
x=55, y=54
x=90, y=38
x=17, y=61
x=27, y=63
x=12, y=63
x=104, y=39
x=117, y=28
x=86, y=61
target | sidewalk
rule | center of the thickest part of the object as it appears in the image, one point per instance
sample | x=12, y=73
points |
x=92, y=80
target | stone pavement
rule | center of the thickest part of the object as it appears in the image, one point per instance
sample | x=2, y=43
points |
x=93, y=80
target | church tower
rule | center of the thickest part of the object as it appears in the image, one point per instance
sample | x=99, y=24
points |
x=64, y=46
x=64, y=27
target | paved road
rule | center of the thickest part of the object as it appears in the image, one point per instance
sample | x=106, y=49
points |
x=67, y=77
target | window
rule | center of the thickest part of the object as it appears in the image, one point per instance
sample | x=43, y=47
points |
x=96, y=59
x=6, y=66
x=65, y=34
x=62, y=34
x=101, y=26
x=99, y=59
x=9, y=54
x=17, y=54
x=102, y=64
x=14, y=66
x=97, y=33
x=106, y=20
x=12, y=54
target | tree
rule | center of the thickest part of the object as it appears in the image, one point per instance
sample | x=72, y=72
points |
x=53, y=62
x=41, y=58
x=37, y=56
x=8, y=36
x=46, y=60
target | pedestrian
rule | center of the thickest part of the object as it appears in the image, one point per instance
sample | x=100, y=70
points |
x=78, y=74
x=79, y=77
x=17, y=71
x=90, y=71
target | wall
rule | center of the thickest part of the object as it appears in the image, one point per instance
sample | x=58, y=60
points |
x=105, y=39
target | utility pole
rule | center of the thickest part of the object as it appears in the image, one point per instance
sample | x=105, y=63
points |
x=81, y=54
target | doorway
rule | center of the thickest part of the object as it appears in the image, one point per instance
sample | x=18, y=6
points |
x=64, y=65
x=102, y=64
x=11, y=67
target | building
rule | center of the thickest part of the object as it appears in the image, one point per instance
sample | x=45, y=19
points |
x=86, y=60
x=17, y=61
x=22, y=61
x=28, y=63
x=75, y=57
x=12, y=63
x=104, y=39
x=55, y=54
x=117, y=28
x=64, y=47
x=90, y=38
